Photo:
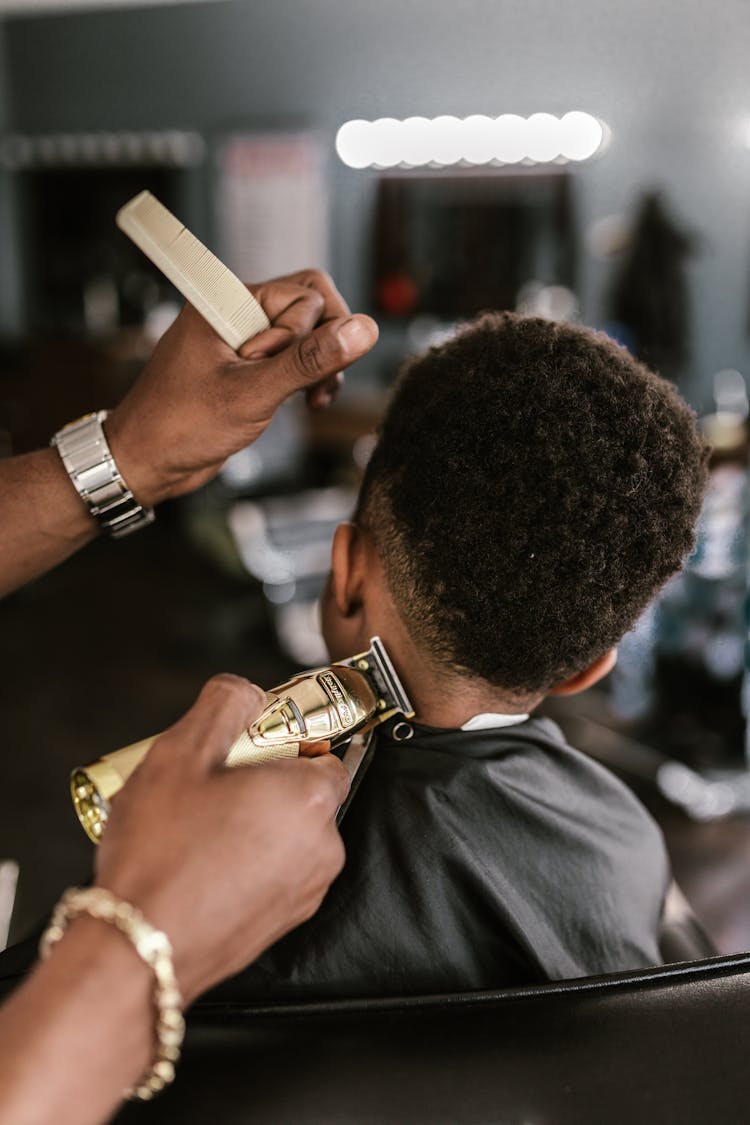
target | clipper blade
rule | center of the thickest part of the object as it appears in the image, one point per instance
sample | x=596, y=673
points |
x=376, y=665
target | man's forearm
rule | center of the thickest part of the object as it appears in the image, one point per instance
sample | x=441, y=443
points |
x=81, y=1029
x=195, y=404
x=78, y=1032
x=42, y=519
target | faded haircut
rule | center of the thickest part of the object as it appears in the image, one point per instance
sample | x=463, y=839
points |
x=532, y=488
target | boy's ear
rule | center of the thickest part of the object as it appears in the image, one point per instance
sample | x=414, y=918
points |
x=347, y=568
x=588, y=677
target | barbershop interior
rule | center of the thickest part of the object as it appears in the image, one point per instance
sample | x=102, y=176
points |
x=585, y=163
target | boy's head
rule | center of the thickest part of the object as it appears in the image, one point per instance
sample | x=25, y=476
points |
x=532, y=488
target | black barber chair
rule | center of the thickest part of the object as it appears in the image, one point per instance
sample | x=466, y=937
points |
x=668, y=1046
x=662, y=1046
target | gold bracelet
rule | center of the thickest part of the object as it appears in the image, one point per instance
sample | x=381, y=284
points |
x=153, y=947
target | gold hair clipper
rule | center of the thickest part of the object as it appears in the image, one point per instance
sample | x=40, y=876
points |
x=323, y=705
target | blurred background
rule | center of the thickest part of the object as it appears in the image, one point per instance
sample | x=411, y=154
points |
x=582, y=161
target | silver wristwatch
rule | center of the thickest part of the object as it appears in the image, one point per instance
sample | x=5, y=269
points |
x=91, y=467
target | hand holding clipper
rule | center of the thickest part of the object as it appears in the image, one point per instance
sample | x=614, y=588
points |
x=324, y=705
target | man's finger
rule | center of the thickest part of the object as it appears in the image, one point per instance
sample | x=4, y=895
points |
x=334, y=305
x=322, y=395
x=294, y=311
x=314, y=749
x=226, y=705
x=321, y=354
x=333, y=775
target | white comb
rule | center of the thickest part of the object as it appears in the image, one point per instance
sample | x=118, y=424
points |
x=217, y=294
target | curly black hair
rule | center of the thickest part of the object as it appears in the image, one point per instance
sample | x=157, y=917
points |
x=532, y=487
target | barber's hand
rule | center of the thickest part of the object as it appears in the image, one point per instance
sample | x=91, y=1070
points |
x=198, y=401
x=225, y=861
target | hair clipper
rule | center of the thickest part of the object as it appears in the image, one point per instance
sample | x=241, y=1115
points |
x=324, y=705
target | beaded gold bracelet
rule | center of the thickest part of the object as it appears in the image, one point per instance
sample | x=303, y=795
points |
x=153, y=947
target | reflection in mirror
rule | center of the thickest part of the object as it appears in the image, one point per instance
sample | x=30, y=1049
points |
x=449, y=245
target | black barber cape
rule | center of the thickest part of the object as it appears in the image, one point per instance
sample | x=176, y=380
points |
x=476, y=859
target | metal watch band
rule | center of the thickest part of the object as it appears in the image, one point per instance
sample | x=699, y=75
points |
x=87, y=458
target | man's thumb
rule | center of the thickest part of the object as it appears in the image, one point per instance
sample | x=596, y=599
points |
x=330, y=348
x=226, y=705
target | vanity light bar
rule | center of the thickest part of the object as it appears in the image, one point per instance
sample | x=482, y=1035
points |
x=442, y=141
x=170, y=148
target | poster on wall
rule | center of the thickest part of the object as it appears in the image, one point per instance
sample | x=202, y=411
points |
x=271, y=198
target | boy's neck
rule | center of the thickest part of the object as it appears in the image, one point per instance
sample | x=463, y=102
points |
x=451, y=702
x=440, y=695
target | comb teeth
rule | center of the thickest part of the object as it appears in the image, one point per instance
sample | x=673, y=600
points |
x=217, y=294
